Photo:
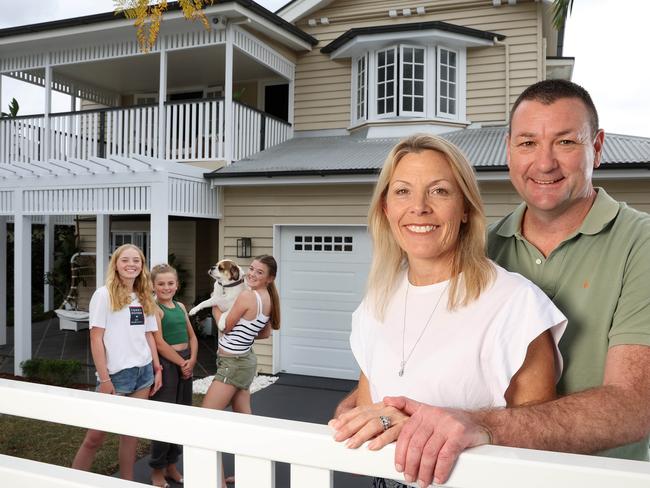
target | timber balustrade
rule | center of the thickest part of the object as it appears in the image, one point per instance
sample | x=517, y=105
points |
x=259, y=442
x=192, y=131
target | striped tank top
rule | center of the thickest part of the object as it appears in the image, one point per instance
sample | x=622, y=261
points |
x=240, y=339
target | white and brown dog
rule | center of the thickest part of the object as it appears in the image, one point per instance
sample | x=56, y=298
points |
x=229, y=282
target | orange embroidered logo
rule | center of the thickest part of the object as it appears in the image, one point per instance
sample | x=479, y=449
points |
x=585, y=285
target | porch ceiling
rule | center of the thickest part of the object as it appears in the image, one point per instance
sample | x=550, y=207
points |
x=187, y=69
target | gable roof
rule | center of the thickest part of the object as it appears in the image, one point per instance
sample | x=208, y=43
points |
x=414, y=26
x=172, y=6
x=297, y=9
x=357, y=155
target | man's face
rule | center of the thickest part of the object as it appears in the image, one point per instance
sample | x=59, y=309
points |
x=552, y=153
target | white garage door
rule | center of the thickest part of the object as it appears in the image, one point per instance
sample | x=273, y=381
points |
x=323, y=273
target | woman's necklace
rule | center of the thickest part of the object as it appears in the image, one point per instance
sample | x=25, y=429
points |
x=406, y=296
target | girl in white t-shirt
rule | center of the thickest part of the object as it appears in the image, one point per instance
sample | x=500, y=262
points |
x=122, y=323
x=442, y=324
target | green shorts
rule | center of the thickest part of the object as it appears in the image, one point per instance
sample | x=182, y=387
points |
x=238, y=371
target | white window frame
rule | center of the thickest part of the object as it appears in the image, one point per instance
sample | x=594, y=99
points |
x=395, y=95
x=136, y=237
x=412, y=112
x=456, y=83
x=359, y=84
x=145, y=98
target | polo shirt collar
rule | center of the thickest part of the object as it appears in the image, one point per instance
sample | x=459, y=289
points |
x=602, y=212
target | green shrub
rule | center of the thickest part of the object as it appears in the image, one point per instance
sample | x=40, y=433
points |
x=59, y=372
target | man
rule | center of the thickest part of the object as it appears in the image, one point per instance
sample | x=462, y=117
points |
x=591, y=255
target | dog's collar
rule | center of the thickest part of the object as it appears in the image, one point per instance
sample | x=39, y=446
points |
x=234, y=283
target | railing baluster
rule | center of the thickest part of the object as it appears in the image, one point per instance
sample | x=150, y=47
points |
x=251, y=472
x=311, y=477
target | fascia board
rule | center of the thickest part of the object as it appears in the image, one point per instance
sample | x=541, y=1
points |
x=301, y=8
x=293, y=180
x=365, y=42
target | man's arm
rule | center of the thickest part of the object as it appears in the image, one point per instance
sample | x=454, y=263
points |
x=611, y=415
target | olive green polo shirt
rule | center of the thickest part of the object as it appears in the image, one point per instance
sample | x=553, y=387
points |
x=599, y=277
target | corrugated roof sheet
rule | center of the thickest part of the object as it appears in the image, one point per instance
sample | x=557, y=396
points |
x=484, y=147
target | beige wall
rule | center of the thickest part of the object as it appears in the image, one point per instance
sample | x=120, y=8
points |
x=322, y=92
x=252, y=212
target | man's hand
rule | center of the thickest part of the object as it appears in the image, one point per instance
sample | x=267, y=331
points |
x=431, y=440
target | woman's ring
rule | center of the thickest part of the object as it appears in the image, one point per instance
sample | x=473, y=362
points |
x=385, y=422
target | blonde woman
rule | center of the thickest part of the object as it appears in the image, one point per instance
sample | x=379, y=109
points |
x=440, y=322
x=122, y=322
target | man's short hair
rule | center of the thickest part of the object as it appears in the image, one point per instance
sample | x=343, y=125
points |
x=549, y=91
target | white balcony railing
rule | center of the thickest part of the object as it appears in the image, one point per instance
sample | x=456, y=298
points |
x=258, y=442
x=193, y=132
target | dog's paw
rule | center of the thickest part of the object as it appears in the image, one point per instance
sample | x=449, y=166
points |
x=194, y=311
x=221, y=325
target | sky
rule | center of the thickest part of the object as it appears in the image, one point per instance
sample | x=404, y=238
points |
x=607, y=41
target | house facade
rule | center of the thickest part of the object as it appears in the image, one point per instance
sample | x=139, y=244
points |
x=270, y=127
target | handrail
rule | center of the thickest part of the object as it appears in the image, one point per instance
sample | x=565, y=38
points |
x=309, y=448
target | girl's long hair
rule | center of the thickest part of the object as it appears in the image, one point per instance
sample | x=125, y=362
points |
x=272, y=266
x=118, y=293
x=471, y=273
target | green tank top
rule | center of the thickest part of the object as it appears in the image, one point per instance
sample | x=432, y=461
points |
x=174, y=329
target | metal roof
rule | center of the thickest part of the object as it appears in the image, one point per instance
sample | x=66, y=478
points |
x=484, y=147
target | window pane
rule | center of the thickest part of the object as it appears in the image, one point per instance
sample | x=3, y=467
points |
x=452, y=74
x=443, y=56
x=407, y=86
x=452, y=106
x=408, y=71
x=419, y=56
x=443, y=73
x=406, y=104
x=408, y=55
x=419, y=88
x=443, y=89
x=389, y=105
x=390, y=72
x=380, y=107
x=452, y=90
x=381, y=58
x=390, y=88
x=443, y=105
x=419, y=72
x=390, y=56
x=381, y=75
x=452, y=58
x=419, y=105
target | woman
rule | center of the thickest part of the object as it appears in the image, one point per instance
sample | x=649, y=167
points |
x=177, y=347
x=255, y=312
x=122, y=323
x=441, y=323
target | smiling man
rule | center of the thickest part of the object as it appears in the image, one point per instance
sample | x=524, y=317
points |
x=591, y=255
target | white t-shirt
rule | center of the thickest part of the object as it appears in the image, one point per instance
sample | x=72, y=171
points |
x=464, y=359
x=124, y=331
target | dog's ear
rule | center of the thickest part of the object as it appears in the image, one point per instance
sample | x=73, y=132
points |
x=234, y=273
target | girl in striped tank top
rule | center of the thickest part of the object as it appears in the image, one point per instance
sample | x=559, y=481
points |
x=255, y=312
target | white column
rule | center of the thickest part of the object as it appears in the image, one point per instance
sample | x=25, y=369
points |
x=48, y=260
x=22, y=284
x=159, y=229
x=73, y=98
x=1, y=106
x=162, y=96
x=292, y=85
x=228, y=108
x=46, y=110
x=102, y=248
x=3, y=281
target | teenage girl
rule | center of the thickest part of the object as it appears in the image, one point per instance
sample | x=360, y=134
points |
x=255, y=312
x=122, y=323
x=177, y=348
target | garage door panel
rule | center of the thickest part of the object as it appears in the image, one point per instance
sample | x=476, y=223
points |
x=319, y=292
x=328, y=358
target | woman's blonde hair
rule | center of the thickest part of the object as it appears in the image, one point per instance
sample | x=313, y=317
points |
x=118, y=293
x=471, y=271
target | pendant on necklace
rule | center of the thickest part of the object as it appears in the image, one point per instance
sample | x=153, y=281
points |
x=401, y=368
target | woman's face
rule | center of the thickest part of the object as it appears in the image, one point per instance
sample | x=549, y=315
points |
x=165, y=286
x=129, y=264
x=258, y=275
x=425, y=207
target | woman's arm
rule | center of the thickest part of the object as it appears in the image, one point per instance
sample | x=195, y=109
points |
x=535, y=380
x=265, y=333
x=99, y=358
x=157, y=368
x=188, y=368
x=244, y=303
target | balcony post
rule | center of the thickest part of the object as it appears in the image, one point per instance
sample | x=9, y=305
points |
x=45, y=143
x=22, y=283
x=102, y=248
x=101, y=140
x=292, y=86
x=3, y=281
x=49, y=233
x=262, y=131
x=162, y=97
x=159, y=227
x=228, y=106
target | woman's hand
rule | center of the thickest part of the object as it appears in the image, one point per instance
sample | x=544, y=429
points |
x=107, y=387
x=187, y=368
x=363, y=423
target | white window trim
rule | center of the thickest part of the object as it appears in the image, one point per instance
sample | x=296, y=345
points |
x=132, y=233
x=439, y=112
x=412, y=113
x=354, y=101
x=393, y=113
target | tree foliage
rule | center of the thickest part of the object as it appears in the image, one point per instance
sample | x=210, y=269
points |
x=147, y=18
x=13, y=109
x=561, y=10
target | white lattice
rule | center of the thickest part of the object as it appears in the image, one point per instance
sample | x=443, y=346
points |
x=203, y=37
x=125, y=199
x=96, y=52
x=21, y=62
x=263, y=53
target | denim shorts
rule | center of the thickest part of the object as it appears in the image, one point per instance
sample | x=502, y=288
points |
x=130, y=380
